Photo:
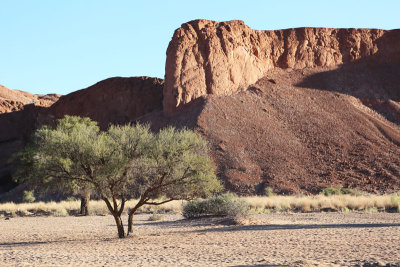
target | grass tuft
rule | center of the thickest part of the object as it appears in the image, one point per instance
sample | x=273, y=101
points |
x=258, y=204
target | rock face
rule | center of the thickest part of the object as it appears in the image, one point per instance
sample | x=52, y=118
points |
x=14, y=100
x=221, y=58
x=18, y=113
x=112, y=101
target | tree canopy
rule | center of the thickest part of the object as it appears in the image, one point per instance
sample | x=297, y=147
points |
x=121, y=163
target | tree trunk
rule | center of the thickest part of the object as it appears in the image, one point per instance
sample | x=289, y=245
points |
x=130, y=222
x=85, y=198
x=120, y=226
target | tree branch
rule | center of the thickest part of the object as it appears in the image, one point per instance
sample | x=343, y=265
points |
x=159, y=203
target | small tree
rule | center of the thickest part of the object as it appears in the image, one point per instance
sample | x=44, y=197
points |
x=124, y=162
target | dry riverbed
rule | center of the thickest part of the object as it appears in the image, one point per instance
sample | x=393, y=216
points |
x=296, y=239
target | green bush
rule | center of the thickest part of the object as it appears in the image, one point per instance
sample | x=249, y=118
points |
x=71, y=199
x=269, y=192
x=395, y=199
x=28, y=197
x=226, y=205
x=62, y=212
x=340, y=191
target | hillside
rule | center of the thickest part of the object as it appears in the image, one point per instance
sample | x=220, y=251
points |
x=297, y=109
x=293, y=138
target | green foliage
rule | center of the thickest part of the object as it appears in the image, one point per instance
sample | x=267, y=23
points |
x=28, y=197
x=62, y=212
x=58, y=157
x=269, y=192
x=71, y=199
x=175, y=166
x=222, y=205
x=395, y=199
x=340, y=191
x=345, y=210
x=121, y=163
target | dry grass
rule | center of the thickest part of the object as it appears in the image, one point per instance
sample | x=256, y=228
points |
x=343, y=203
x=64, y=208
x=325, y=203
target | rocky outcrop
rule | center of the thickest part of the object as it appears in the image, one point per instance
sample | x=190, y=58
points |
x=207, y=57
x=115, y=100
x=14, y=100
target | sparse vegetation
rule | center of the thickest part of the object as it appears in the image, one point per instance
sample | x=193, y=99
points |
x=98, y=207
x=339, y=203
x=323, y=203
x=28, y=197
x=222, y=205
x=269, y=192
x=340, y=191
x=62, y=212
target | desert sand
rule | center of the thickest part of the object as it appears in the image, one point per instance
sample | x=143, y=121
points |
x=313, y=239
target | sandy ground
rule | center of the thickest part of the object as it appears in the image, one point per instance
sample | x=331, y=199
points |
x=318, y=239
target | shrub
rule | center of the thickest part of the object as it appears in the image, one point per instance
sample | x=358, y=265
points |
x=269, y=192
x=227, y=205
x=156, y=217
x=395, y=199
x=62, y=212
x=28, y=197
x=340, y=191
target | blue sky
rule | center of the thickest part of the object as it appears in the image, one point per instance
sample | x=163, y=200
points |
x=50, y=46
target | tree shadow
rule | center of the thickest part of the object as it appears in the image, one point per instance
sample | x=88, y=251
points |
x=66, y=241
x=274, y=227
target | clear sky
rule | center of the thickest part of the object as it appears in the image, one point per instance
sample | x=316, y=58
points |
x=60, y=46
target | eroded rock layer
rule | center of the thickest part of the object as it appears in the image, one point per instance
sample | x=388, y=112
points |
x=221, y=58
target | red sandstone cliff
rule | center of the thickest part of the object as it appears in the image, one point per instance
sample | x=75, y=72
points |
x=14, y=100
x=115, y=100
x=221, y=58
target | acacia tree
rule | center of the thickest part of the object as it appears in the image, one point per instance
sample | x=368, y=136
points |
x=31, y=170
x=124, y=162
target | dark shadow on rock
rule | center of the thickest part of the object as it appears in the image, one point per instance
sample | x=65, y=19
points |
x=16, y=129
x=185, y=116
x=375, y=80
